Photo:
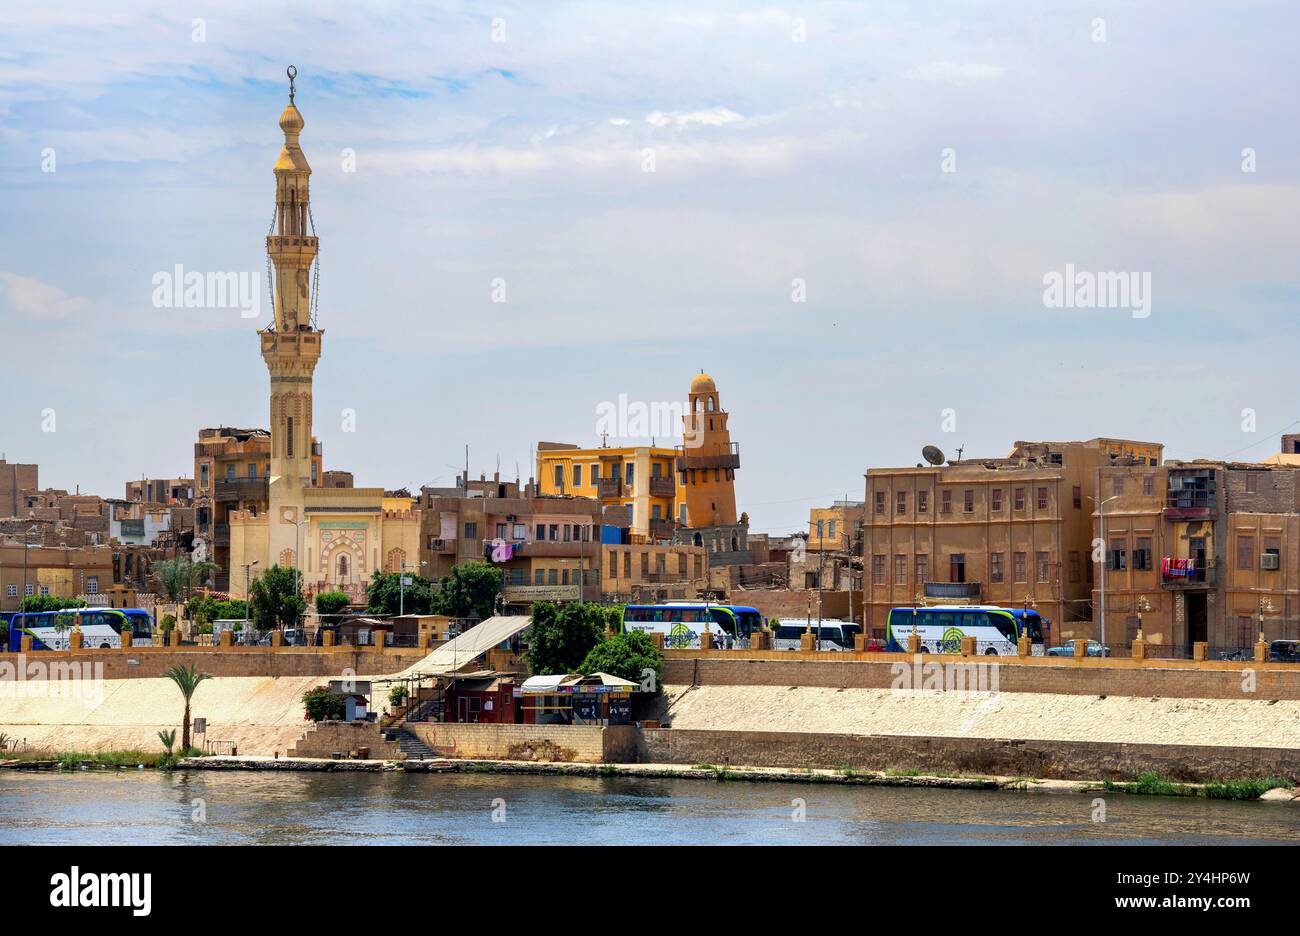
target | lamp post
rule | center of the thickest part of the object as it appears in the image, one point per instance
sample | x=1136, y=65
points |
x=248, y=592
x=1105, y=561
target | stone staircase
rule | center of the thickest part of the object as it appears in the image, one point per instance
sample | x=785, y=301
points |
x=411, y=747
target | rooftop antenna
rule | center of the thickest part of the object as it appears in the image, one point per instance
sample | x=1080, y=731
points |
x=960, y=449
x=933, y=454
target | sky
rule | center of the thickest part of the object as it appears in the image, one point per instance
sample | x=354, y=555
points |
x=848, y=214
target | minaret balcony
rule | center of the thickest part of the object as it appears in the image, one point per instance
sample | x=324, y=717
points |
x=283, y=242
x=707, y=457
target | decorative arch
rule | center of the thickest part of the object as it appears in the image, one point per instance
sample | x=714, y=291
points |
x=396, y=557
x=287, y=559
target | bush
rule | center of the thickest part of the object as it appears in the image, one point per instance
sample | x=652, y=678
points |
x=168, y=623
x=332, y=602
x=323, y=705
x=397, y=695
x=632, y=655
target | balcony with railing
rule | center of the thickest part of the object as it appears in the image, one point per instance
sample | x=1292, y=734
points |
x=241, y=489
x=1184, y=574
x=609, y=487
x=662, y=529
x=707, y=457
x=663, y=487
x=964, y=591
x=1192, y=494
x=221, y=534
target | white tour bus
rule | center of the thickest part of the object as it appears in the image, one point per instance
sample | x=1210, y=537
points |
x=831, y=635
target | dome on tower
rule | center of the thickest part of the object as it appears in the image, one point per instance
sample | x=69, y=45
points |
x=291, y=120
x=703, y=383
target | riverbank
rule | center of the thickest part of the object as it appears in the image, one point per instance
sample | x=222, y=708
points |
x=1147, y=784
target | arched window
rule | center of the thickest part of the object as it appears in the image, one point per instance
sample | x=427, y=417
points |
x=396, y=558
x=343, y=569
x=286, y=559
x=710, y=404
x=699, y=540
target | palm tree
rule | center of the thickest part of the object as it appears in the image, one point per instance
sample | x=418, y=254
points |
x=187, y=679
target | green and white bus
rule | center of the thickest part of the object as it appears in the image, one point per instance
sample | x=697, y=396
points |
x=996, y=630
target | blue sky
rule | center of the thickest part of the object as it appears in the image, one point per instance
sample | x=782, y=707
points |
x=775, y=159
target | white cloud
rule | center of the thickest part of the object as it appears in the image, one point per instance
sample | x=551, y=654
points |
x=712, y=117
x=32, y=299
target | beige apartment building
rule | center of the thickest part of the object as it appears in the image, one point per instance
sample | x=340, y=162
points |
x=57, y=571
x=1199, y=551
x=1013, y=531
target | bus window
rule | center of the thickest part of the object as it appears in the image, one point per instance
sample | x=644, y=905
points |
x=1033, y=626
x=750, y=621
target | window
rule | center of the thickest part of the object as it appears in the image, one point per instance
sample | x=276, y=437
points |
x=501, y=531
x=559, y=477
x=821, y=531
x=880, y=502
x=289, y=439
x=922, y=567
x=995, y=567
x=552, y=576
x=957, y=567
x=203, y=476
x=996, y=499
x=12, y=591
x=1018, y=567
x=577, y=476
x=1245, y=552
x=1148, y=485
x=1252, y=483
x=1042, y=498
x=541, y=532
x=901, y=506
x=1117, y=485
x=900, y=569
x=627, y=563
x=1077, y=494
x=1118, y=559
x=29, y=590
x=595, y=473
x=520, y=531
x=252, y=472
x=946, y=502
x=968, y=501
x=922, y=501
x=92, y=585
x=631, y=472
x=1019, y=499
x=830, y=528
x=471, y=530
x=1074, y=565
x=45, y=591
x=612, y=564
x=1245, y=630
x=1272, y=547
x=554, y=532
x=878, y=570
x=1044, y=567
x=1142, y=554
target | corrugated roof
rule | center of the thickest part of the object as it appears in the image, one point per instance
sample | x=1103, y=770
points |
x=469, y=646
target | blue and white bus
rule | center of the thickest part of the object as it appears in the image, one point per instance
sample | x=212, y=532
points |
x=682, y=622
x=101, y=628
x=996, y=630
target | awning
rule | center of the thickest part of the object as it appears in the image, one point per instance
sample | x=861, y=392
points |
x=468, y=647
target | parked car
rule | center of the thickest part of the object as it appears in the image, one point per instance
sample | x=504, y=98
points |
x=1284, y=651
x=294, y=637
x=1066, y=649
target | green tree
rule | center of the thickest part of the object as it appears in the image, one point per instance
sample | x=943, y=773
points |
x=323, y=705
x=471, y=589
x=631, y=655
x=384, y=594
x=167, y=624
x=561, y=636
x=332, y=602
x=204, y=609
x=274, y=600
x=180, y=575
x=187, y=679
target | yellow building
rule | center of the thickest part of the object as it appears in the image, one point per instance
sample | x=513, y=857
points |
x=638, y=478
x=335, y=537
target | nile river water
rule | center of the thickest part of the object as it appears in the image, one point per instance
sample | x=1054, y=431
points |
x=200, y=808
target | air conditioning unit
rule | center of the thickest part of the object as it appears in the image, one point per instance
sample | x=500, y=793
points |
x=1269, y=561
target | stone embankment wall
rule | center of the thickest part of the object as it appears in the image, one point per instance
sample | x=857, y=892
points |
x=328, y=738
x=136, y=662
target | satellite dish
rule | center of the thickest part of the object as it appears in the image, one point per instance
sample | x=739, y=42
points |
x=933, y=454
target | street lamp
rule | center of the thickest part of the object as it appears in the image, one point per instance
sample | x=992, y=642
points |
x=248, y=592
x=1101, y=514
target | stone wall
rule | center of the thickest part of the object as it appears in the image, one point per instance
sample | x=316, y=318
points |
x=569, y=743
x=325, y=739
x=1120, y=677
x=1065, y=760
x=230, y=661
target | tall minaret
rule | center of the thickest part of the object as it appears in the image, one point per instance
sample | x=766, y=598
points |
x=291, y=345
x=707, y=459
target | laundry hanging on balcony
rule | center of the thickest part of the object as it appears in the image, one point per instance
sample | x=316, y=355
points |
x=1177, y=568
